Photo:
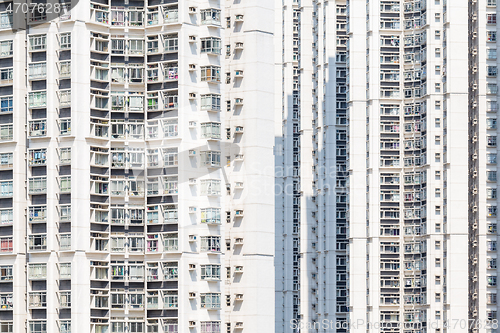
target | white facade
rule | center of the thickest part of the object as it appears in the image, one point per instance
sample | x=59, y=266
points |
x=290, y=166
x=414, y=182
x=129, y=171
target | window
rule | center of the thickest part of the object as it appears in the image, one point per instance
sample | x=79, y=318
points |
x=211, y=45
x=210, y=272
x=136, y=46
x=491, y=3
x=210, y=301
x=37, y=185
x=37, y=157
x=491, y=141
x=210, y=130
x=491, y=193
x=37, y=299
x=37, y=99
x=65, y=126
x=65, y=299
x=491, y=54
x=491, y=71
x=170, y=71
x=170, y=242
x=171, y=42
x=65, y=184
x=210, y=215
x=170, y=300
x=38, y=42
x=491, y=176
x=65, y=156
x=210, y=102
x=135, y=17
x=6, y=75
x=6, y=274
x=38, y=326
x=210, y=244
x=6, y=217
x=65, y=271
x=170, y=185
x=491, y=211
x=491, y=18
x=6, y=160
x=37, y=271
x=64, y=98
x=210, y=327
x=6, y=48
x=491, y=158
x=210, y=16
x=210, y=73
x=171, y=14
x=170, y=271
x=491, y=36
x=65, y=326
x=65, y=41
x=210, y=187
x=37, y=70
x=210, y=158
x=65, y=69
x=117, y=46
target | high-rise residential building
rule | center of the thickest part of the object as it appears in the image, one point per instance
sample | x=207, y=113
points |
x=386, y=135
x=128, y=197
x=203, y=166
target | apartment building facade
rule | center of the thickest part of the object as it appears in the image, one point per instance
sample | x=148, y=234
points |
x=127, y=191
x=414, y=190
